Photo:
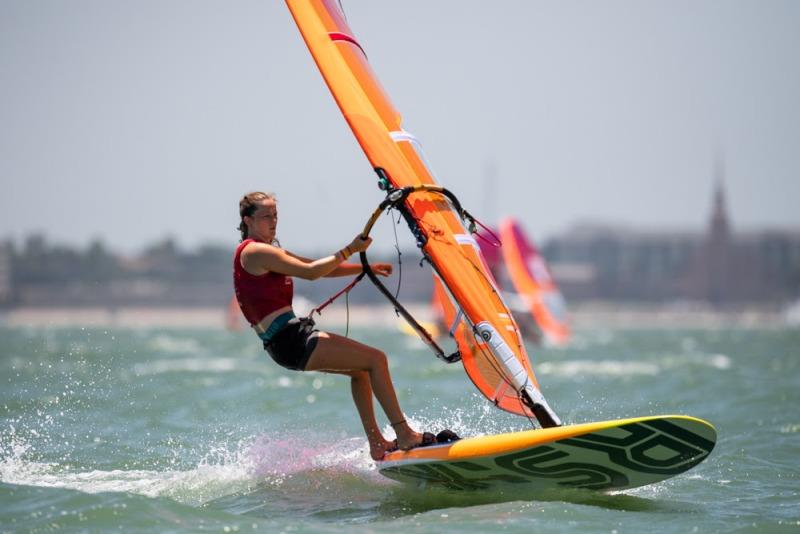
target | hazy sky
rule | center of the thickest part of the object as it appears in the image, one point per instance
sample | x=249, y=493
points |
x=130, y=121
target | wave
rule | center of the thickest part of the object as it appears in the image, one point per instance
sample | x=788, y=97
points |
x=266, y=460
x=715, y=361
x=603, y=367
x=170, y=344
x=194, y=486
x=571, y=368
x=197, y=365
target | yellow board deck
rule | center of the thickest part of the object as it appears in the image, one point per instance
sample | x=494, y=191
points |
x=606, y=456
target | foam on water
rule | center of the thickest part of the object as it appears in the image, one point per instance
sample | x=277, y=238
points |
x=623, y=368
x=196, y=365
x=277, y=458
x=270, y=460
x=594, y=368
x=194, y=486
x=267, y=459
x=167, y=344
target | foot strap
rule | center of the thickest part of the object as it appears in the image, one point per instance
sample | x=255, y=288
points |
x=394, y=425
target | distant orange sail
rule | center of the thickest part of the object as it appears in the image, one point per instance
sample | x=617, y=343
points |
x=533, y=283
x=490, y=248
x=489, y=340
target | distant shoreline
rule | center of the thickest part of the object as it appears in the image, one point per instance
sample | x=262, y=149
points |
x=589, y=315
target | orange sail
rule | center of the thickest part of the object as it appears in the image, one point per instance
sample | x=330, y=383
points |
x=533, y=283
x=488, y=339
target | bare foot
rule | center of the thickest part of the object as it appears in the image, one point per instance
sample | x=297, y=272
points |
x=378, y=449
x=407, y=438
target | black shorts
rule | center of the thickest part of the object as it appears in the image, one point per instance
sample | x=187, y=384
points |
x=292, y=345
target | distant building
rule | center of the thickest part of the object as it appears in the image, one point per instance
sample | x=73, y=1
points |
x=719, y=266
x=590, y=262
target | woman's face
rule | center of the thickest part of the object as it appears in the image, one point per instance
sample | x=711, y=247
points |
x=264, y=222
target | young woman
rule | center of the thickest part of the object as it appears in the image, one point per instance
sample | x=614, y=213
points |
x=262, y=275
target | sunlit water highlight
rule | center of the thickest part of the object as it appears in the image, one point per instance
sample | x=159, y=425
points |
x=190, y=429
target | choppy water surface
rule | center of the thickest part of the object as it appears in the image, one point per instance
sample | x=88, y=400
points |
x=199, y=430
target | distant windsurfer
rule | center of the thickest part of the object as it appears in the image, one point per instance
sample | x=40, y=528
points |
x=262, y=274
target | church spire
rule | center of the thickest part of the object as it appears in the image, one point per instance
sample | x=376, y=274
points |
x=719, y=228
x=718, y=242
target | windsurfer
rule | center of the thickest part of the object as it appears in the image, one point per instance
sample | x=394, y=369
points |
x=262, y=274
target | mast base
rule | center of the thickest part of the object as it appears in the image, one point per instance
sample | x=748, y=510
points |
x=543, y=413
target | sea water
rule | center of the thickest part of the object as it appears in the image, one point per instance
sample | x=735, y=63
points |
x=196, y=429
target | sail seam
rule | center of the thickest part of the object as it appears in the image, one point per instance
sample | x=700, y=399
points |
x=339, y=36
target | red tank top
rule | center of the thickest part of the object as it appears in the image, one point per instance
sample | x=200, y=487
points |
x=259, y=295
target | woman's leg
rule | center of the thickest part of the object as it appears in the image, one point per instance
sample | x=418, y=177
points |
x=362, y=396
x=339, y=354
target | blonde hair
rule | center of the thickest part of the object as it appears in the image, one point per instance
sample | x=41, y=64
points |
x=248, y=206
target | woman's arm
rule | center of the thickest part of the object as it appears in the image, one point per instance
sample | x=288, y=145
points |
x=260, y=258
x=350, y=269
